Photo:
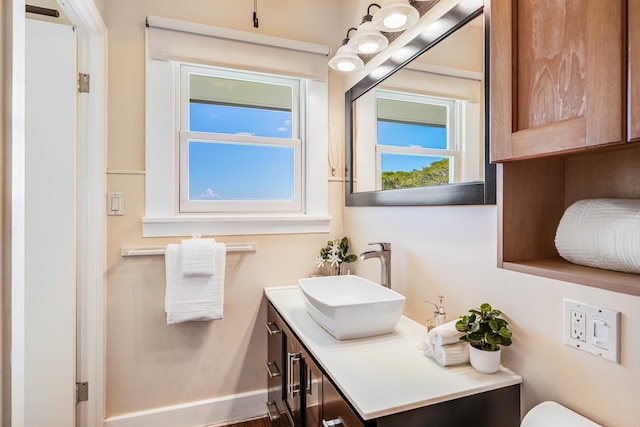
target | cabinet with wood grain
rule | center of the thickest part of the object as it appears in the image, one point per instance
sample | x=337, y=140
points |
x=557, y=76
x=565, y=124
x=633, y=50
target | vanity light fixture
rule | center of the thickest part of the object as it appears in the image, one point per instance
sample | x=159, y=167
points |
x=368, y=40
x=395, y=15
x=345, y=59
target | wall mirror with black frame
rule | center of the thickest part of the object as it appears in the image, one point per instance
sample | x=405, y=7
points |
x=416, y=129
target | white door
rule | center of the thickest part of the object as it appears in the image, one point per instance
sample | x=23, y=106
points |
x=50, y=225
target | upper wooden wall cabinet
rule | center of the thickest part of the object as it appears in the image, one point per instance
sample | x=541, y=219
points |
x=565, y=116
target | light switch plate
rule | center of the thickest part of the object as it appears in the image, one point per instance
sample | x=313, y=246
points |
x=115, y=203
x=600, y=332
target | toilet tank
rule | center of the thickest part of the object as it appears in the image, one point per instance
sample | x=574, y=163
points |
x=552, y=414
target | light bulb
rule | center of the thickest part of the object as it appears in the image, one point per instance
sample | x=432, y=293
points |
x=396, y=20
x=369, y=47
x=346, y=60
x=345, y=66
x=395, y=15
x=368, y=39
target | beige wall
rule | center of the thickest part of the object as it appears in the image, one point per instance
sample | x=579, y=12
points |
x=150, y=364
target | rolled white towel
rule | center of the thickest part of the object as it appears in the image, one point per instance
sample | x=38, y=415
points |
x=447, y=355
x=444, y=334
x=601, y=233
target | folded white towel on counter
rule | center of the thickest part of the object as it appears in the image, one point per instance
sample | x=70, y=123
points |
x=601, y=233
x=198, y=257
x=447, y=355
x=190, y=298
x=444, y=334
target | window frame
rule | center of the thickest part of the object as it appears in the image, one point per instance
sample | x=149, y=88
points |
x=454, y=147
x=186, y=136
x=162, y=217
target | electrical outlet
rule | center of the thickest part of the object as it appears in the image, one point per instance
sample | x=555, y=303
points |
x=592, y=329
x=578, y=325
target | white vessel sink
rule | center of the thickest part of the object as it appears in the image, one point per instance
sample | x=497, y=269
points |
x=351, y=306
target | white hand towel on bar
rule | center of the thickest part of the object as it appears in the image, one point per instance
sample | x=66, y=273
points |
x=444, y=334
x=193, y=297
x=446, y=355
x=198, y=257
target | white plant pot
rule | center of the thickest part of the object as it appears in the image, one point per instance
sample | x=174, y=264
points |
x=487, y=362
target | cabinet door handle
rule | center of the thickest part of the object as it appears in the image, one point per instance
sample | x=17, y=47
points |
x=294, y=389
x=272, y=328
x=309, y=381
x=273, y=370
x=272, y=410
x=333, y=423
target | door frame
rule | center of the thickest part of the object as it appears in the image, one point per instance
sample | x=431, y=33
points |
x=92, y=123
x=92, y=131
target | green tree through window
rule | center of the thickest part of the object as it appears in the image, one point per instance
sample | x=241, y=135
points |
x=435, y=174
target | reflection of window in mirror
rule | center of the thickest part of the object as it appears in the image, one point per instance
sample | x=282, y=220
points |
x=423, y=126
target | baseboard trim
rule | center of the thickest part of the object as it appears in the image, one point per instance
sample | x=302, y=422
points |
x=211, y=412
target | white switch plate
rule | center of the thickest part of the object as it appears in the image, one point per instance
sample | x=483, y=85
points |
x=600, y=332
x=115, y=203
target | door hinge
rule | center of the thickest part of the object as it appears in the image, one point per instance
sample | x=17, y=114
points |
x=83, y=82
x=82, y=392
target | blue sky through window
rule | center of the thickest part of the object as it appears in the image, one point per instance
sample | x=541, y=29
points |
x=406, y=135
x=226, y=171
x=234, y=120
x=264, y=173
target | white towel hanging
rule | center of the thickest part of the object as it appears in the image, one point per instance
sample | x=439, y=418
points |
x=190, y=298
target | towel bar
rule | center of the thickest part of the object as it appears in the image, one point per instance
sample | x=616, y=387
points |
x=158, y=250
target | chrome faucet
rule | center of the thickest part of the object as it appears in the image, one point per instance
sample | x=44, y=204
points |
x=384, y=253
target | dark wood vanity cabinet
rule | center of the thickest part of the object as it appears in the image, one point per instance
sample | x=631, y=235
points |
x=336, y=412
x=275, y=373
x=299, y=394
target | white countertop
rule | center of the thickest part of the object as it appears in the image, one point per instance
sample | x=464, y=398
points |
x=386, y=374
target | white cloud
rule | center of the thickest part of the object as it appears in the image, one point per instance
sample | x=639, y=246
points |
x=209, y=194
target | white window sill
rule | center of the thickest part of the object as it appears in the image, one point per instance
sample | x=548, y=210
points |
x=228, y=225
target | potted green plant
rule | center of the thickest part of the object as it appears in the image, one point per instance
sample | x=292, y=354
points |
x=486, y=331
x=334, y=255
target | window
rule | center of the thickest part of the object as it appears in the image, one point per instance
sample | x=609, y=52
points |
x=253, y=169
x=240, y=149
x=417, y=141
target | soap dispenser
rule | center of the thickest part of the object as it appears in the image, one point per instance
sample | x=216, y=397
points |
x=439, y=316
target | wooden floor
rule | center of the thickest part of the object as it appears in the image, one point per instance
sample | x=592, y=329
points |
x=262, y=422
